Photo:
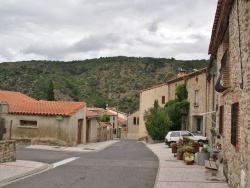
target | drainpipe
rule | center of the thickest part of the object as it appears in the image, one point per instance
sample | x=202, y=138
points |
x=240, y=56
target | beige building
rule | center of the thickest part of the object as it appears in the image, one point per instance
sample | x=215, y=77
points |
x=49, y=122
x=133, y=126
x=229, y=49
x=195, y=81
x=91, y=126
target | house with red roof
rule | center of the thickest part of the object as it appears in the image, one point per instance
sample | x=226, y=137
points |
x=48, y=122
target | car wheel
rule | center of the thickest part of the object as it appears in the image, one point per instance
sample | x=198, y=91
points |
x=201, y=141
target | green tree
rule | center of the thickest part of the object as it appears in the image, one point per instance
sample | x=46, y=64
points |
x=181, y=92
x=104, y=118
x=50, y=92
x=157, y=122
x=175, y=108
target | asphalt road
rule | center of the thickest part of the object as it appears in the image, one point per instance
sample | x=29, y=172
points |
x=125, y=164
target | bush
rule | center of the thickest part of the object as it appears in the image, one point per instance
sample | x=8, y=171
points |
x=157, y=122
x=188, y=149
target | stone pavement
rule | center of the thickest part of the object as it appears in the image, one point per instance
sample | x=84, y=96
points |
x=171, y=172
x=176, y=174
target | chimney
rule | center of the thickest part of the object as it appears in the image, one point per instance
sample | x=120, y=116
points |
x=181, y=72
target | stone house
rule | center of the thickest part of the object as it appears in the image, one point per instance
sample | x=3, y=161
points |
x=91, y=126
x=195, y=81
x=133, y=126
x=114, y=123
x=49, y=122
x=104, y=132
x=117, y=123
x=229, y=50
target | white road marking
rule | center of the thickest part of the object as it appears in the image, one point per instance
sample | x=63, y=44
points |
x=59, y=163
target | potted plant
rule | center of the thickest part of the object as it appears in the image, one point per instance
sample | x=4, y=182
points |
x=189, y=158
x=203, y=155
x=196, y=146
x=188, y=149
x=174, y=148
x=180, y=152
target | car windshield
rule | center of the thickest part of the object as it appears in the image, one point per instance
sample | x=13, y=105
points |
x=186, y=133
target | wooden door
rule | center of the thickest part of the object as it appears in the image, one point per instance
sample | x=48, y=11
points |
x=79, y=131
x=87, y=131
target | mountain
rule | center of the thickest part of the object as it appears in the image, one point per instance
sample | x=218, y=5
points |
x=112, y=81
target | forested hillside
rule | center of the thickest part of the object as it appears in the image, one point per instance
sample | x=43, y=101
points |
x=111, y=80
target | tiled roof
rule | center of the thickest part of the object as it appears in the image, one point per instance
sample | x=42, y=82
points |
x=22, y=104
x=111, y=113
x=91, y=114
x=114, y=109
x=96, y=109
x=52, y=108
x=189, y=75
x=13, y=98
x=104, y=124
x=220, y=24
x=122, y=121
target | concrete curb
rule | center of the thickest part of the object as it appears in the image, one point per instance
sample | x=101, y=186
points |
x=159, y=166
x=24, y=175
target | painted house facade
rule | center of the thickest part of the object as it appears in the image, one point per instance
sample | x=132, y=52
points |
x=49, y=122
x=229, y=47
x=195, y=81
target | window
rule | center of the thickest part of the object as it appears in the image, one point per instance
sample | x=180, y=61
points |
x=234, y=124
x=163, y=100
x=28, y=123
x=134, y=120
x=196, y=98
x=175, y=134
x=199, y=124
x=221, y=119
x=186, y=133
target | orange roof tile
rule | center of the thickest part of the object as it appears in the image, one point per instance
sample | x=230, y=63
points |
x=104, y=124
x=122, y=120
x=91, y=114
x=52, y=108
x=22, y=104
x=111, y=113
x=14, y=98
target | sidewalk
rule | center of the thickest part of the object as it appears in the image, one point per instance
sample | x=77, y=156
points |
x=176, y=174
x=171, y=172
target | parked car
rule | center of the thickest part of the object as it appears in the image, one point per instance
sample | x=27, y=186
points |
x=174, y=136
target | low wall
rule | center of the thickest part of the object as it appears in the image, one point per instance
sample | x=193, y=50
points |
x=7, y=151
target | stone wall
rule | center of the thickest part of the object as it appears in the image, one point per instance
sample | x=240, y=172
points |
x=7, y=151
x=236, y=158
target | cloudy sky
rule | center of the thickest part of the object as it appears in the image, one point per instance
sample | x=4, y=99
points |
x=83, y=29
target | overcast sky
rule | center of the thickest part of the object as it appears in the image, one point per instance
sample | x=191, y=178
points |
x=84, y=29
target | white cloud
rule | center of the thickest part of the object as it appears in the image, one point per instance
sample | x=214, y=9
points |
x=79, y=29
